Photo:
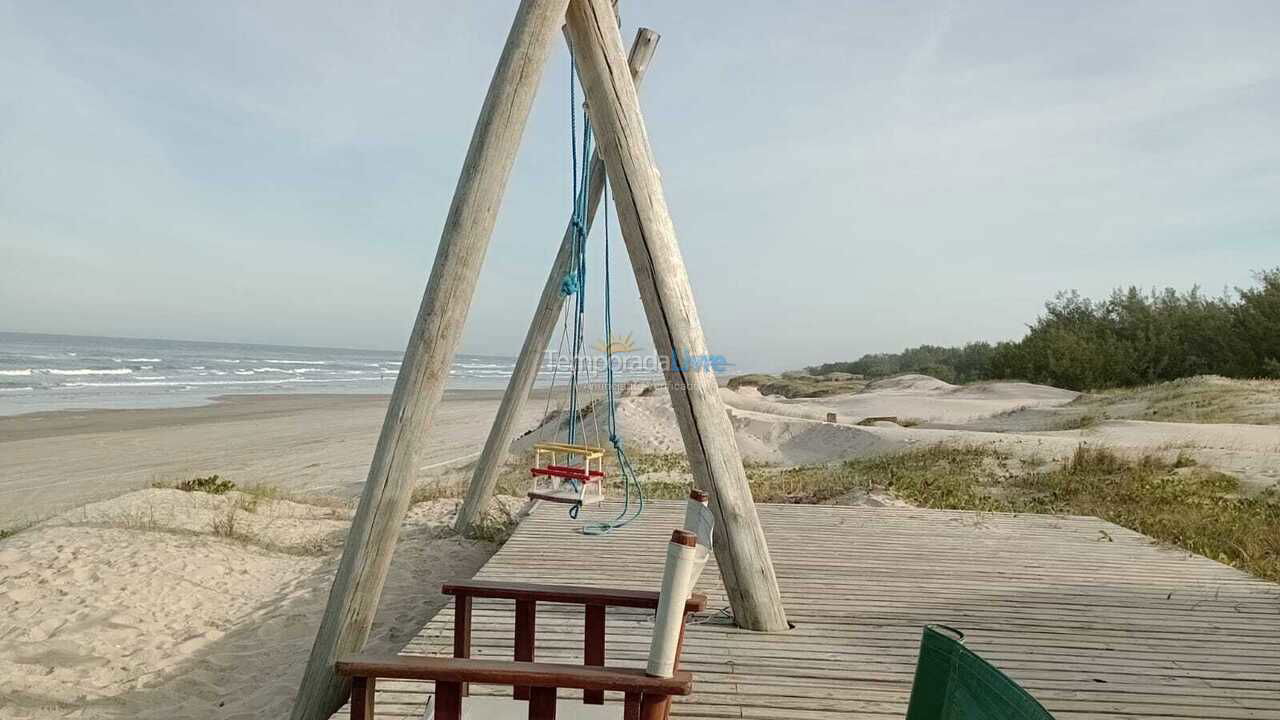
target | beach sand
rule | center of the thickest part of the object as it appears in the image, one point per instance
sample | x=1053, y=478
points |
x=307, y=444
x=134, y=601
x=138, y=607
x=128, y=601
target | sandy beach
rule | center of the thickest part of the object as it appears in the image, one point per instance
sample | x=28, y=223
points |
x=133, y=608
x=132, y=599
x=309, y=444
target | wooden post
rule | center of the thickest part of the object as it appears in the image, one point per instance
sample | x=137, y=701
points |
x=526, y=639
x=363, y=691
x=498, y=444
x=448, y=701
x=420, y=385
x=593, y=646
x=741, y=550
x=462, y=631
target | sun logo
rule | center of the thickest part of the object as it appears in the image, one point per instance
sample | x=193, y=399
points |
x=623, y=345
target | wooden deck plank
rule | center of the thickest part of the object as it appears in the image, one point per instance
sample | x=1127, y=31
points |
x=1096, y=620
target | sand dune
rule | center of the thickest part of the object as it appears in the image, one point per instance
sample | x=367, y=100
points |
x=1022, y=419
x=922, y=399
x=135, y=608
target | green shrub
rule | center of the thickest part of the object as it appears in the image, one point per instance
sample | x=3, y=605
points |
x=1130, y=338
x=212, y=484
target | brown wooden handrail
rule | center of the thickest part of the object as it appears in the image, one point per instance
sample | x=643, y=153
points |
x=527, y=596
x=506, y=672
x=568, y=594
x=646, y=698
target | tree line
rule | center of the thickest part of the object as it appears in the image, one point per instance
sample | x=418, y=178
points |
x=1131, y=338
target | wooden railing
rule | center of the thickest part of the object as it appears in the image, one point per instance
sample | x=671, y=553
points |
x=646, y=698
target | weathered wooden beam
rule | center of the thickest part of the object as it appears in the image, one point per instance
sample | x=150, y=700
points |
x=375, y=528
x=740, y=547
x=541, y=327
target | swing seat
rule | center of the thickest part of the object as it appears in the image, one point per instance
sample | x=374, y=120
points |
x=585, y=488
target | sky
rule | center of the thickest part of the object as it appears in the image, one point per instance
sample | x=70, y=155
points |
x=844, y=177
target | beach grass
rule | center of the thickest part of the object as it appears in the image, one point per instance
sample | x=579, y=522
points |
x=1176, y=502
x=211, y=484
x=1200, y=399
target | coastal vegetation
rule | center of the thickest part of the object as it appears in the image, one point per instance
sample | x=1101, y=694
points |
x=1194, y=400
x=212, y=484
x=1174, y=501
x=1130, y=338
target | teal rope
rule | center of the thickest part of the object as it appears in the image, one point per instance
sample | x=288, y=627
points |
x=625, y=516
x=575, y=284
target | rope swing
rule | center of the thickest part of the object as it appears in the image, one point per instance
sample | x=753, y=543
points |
x=574, y=285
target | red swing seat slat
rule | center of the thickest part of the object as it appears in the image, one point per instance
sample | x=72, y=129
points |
x=570, y=473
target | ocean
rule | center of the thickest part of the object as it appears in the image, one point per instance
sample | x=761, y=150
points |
x=61, y=372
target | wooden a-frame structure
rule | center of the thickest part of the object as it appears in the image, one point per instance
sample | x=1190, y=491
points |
x=742, y=554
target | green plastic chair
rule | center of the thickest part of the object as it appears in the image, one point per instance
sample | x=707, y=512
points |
x=953, y=683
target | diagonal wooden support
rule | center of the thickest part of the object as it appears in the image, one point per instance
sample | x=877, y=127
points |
x=740, y=547
x=498, y=444
x=420, y=385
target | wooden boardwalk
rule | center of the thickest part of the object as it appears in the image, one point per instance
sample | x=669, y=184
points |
x=1095, y=620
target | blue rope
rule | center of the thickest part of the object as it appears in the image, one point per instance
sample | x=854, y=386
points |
x=575, y=284
x=578, y=278
x=629, y=480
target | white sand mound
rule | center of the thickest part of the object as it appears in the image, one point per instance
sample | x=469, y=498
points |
x=1015, y=391
x=755, y=402
x=132, y=608
x=915, y=398
x=1014, y=417
x=647, y=424
x=789, y=441
x=909, y=382
x=786, y=433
